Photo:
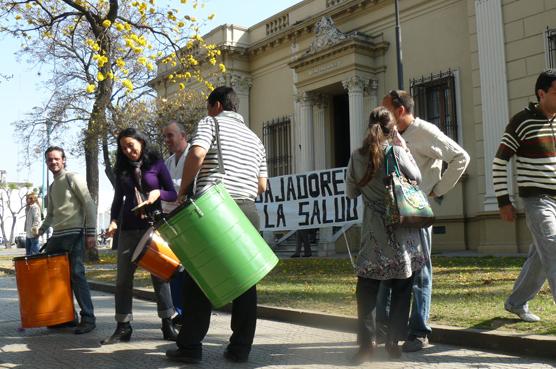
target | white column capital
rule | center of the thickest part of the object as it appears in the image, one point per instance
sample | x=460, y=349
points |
x=320, y=101
x=373, y=87
x=355, y=84
x=240, y=82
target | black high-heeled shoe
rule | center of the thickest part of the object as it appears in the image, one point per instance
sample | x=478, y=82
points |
x=121, y=334
x=169, y=331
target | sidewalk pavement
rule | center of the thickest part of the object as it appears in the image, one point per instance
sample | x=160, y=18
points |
x=277, y=345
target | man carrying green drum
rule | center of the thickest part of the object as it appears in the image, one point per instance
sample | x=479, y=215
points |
x=240, y=164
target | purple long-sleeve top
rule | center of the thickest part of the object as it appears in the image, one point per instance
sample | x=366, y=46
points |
x=156, y=177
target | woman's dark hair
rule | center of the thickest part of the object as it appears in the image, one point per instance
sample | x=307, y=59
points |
x=381, y=127
x=148, y=154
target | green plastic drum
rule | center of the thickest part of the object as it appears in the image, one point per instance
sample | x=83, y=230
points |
x=218, y=245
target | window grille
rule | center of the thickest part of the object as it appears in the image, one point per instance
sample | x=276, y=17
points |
x=277, y=142
x=435, y=101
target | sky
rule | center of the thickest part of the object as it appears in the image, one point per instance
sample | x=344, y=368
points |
x=23, y=91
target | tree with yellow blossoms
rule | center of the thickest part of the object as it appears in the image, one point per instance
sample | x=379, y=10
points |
x=103, y=53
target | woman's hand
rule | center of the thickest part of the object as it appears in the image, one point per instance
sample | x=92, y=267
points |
x=398, y=140
x=111, y=229
x=153, y=196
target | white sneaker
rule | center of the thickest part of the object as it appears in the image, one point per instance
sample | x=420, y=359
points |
x=524, y=315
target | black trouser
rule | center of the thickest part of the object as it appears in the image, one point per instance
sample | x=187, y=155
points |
x=197, y=310
x=366, y=293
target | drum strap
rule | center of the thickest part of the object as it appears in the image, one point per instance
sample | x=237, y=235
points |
x=218, y=147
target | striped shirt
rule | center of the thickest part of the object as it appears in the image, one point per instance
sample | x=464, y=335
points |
x=531, y=137
x=243, y=156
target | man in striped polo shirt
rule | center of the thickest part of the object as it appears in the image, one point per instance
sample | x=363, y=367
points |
x=244, y=162
x=530, y=136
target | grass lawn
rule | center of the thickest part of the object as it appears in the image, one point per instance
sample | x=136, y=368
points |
x=467, y=291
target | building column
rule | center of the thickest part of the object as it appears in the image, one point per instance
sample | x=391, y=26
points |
x=357, y=124
x=321, y=105
x=242, y=85
x=494, y=88
x=373, y=92
x=304, y=149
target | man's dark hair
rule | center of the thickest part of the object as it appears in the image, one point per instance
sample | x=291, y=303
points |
x=55, y=148
x=402, y=98
x=226, y=96
x=544, y=81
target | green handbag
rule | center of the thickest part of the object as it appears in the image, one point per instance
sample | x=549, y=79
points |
x=406, y=205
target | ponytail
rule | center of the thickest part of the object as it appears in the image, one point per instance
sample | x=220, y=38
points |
x=380, y=129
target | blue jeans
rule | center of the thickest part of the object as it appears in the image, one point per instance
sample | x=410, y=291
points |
x=31, y=246
x=74, y=244
x=422, y=292
x=540, y=214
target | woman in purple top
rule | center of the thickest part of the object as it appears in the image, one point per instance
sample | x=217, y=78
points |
x=141, y=178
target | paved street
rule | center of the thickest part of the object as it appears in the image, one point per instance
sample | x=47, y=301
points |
x=277, y=345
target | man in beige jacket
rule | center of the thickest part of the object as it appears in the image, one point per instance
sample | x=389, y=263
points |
x=431, y=149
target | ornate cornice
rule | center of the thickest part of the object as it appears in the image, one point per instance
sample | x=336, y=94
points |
x=326, y=35
x=307, y=25
x=374, y=46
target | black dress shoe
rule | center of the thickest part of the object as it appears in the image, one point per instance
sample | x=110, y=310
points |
x=184, y=356
x=363, y=354
x=234, y=357
x=394, y=351
x=294, y=256
x=169, y=331
x=121, y=334
x=177, y=320
x=84, y=327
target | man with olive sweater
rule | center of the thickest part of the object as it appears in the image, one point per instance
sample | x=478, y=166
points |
x=71, y=212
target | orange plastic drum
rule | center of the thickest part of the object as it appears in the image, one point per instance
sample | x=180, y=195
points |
x=43, y=285
x=154, y=255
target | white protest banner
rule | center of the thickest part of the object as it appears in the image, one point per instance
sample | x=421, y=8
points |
x=307, y=200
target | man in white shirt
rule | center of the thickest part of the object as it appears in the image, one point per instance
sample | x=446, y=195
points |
x=175, y=139
x=430, y=148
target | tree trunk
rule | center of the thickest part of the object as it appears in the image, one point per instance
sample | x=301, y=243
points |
x=14, y=220
x=108, y=170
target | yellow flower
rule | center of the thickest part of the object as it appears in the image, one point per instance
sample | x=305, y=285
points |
x=142, y=60
x=184, y=1
x=18, y=17
x=127, y=84
x=150, y=66
x=119, y=26
x=210, y=17
x=120, y=62
x=182, y=86
x=110, y=75
x=106, y=23
x=91, y=88
x=222, y=68
x=100, y=77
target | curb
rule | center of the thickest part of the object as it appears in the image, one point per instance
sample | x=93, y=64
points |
x=510, y=343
